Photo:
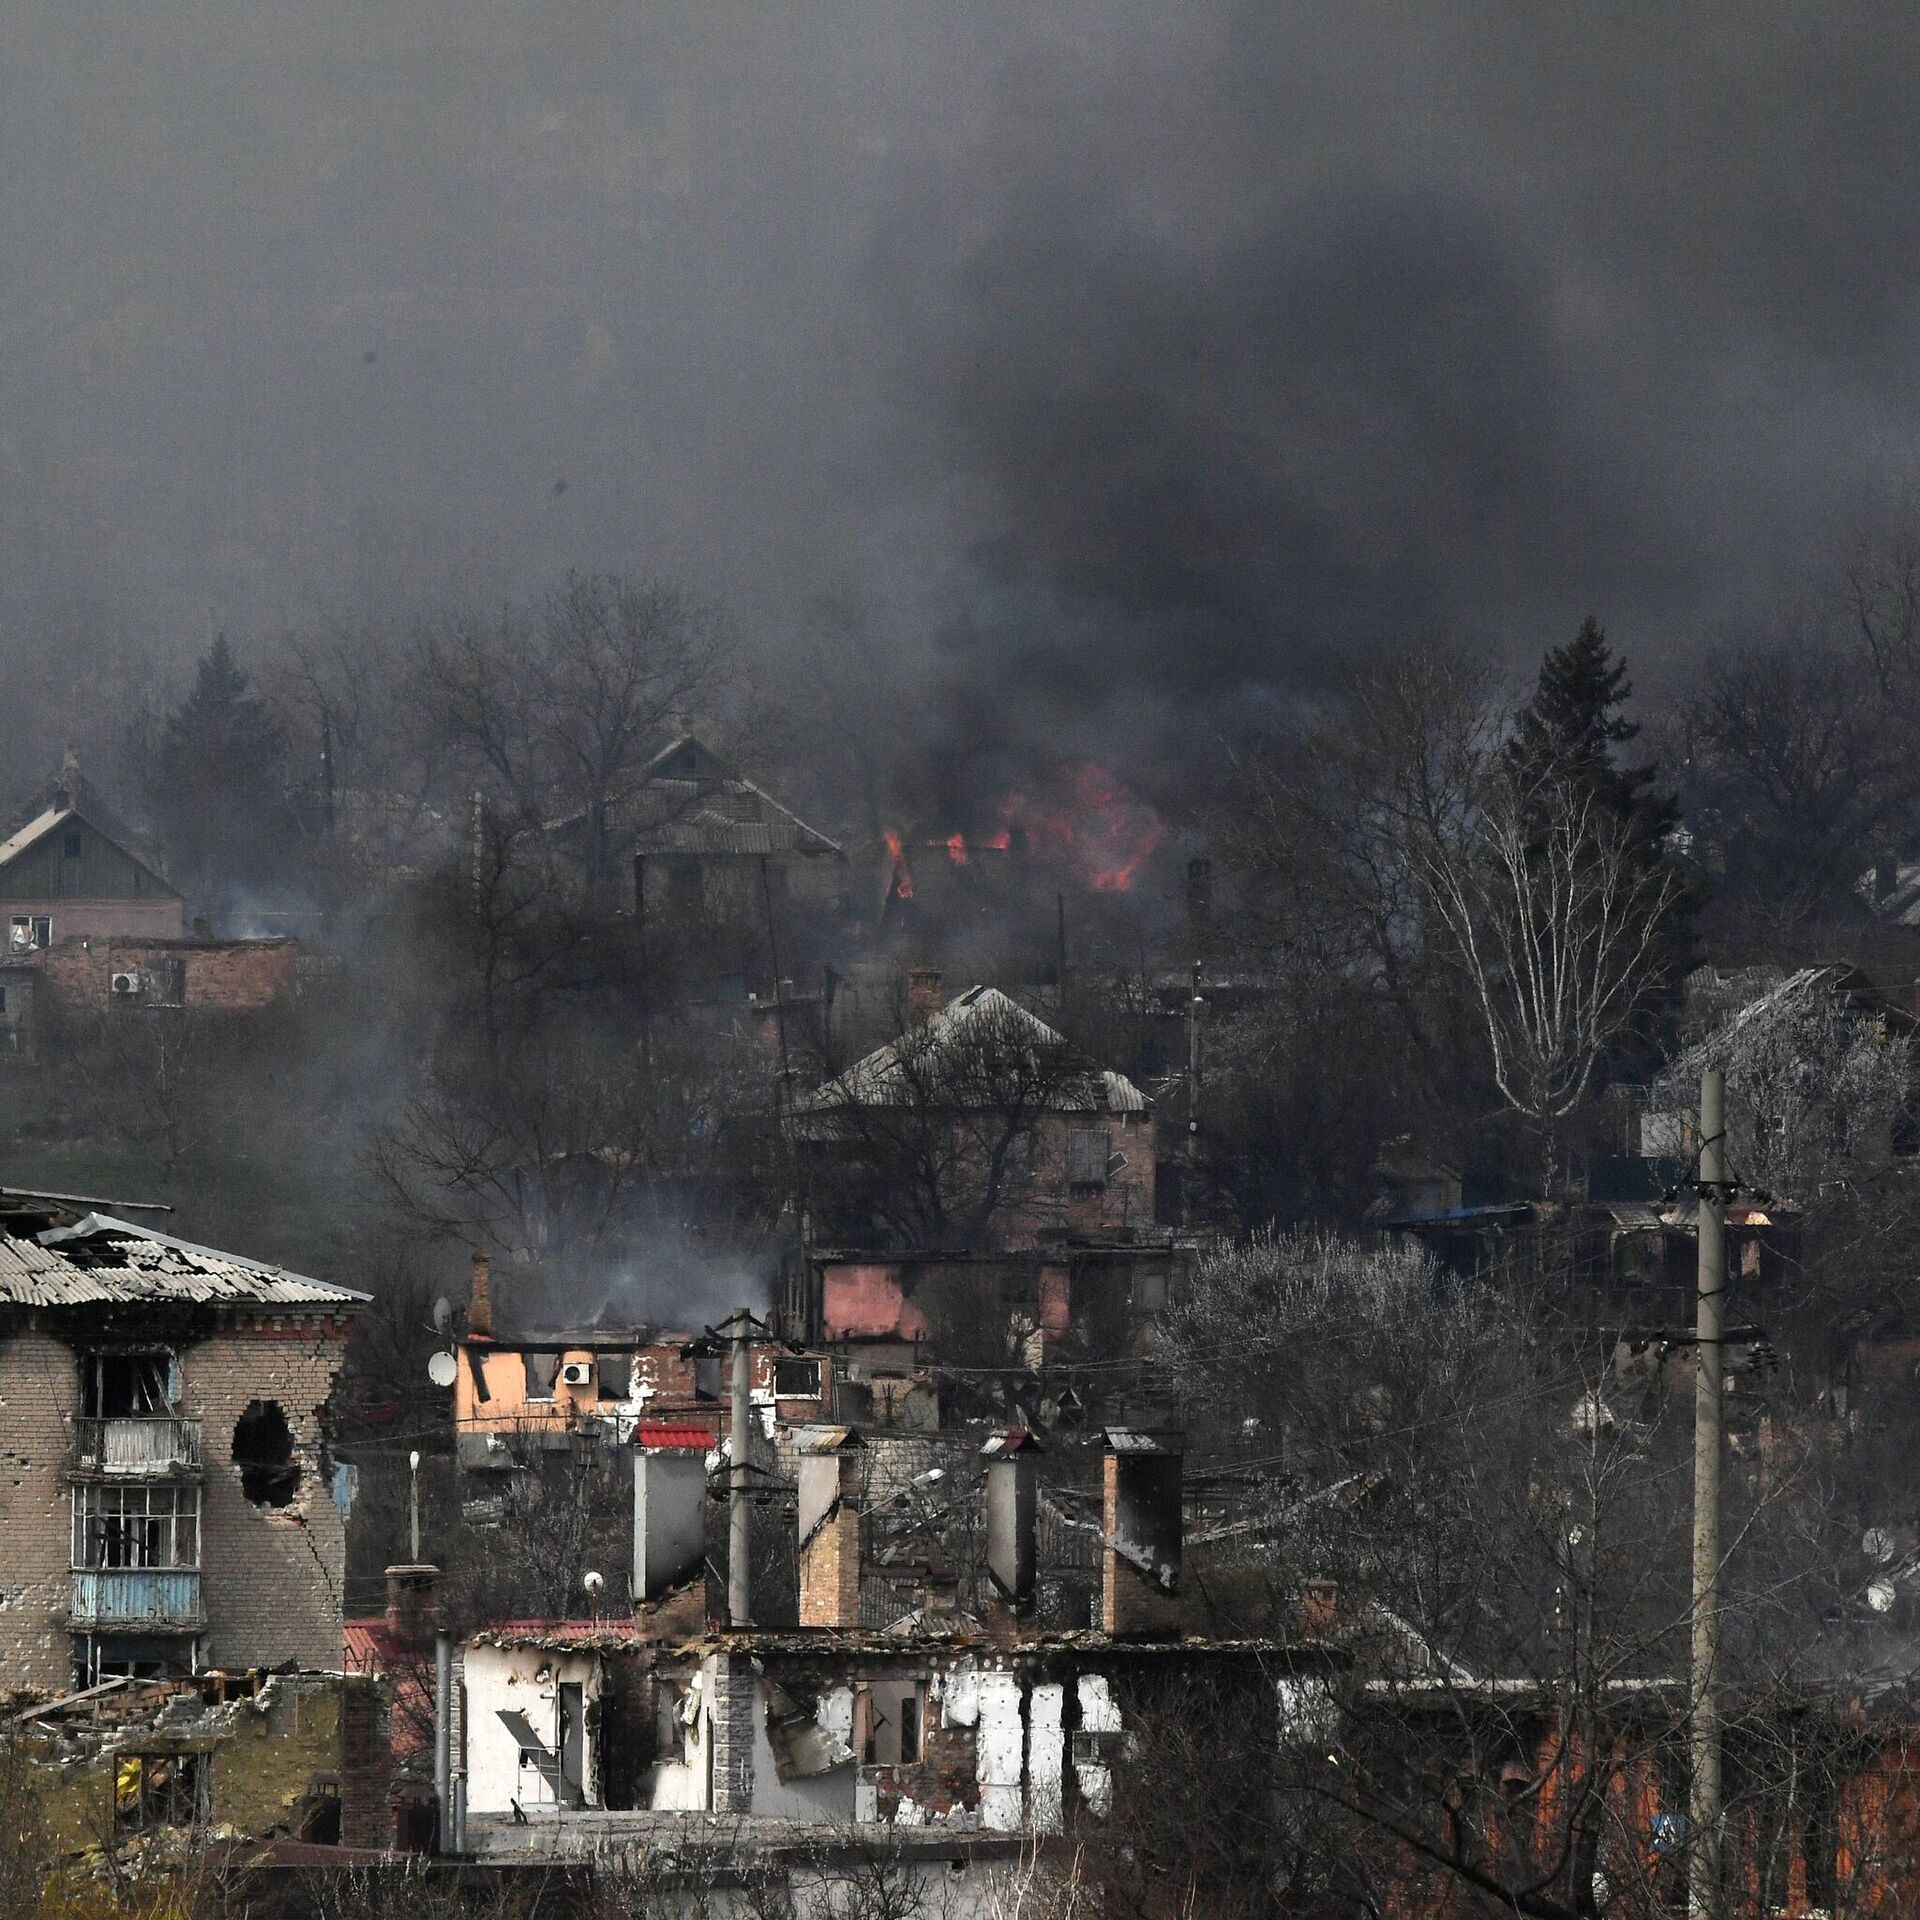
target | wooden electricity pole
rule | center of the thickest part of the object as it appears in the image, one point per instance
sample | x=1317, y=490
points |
x=1704, y=1883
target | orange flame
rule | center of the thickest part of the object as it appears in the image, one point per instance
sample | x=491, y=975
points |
x=1091, y=823
x=902, y=873
x=957, y=849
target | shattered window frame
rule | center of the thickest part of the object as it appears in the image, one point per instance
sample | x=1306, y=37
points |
x=135, y=1527
x=786, y=1367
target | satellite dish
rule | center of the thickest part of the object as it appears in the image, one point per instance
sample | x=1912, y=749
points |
x=442, y=1314
x=443, y=1369
x=593, y=1582
x=1881, y=1595
x=1877, y=1544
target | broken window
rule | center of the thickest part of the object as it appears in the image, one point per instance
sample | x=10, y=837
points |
x=796, y=1379
x=159, y=1790
x=889, y=1721
x=122, y=1525
x=263, y=1451
x=706, y=1376
x=1088, y=1149
x=543, y=1369
x=129, y=1385
x=616, y=1375
x=109, y=1656
x=167, y=981
x=31, y=930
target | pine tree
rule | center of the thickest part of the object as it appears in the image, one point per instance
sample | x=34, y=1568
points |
x=1568, y=732
x=219, y=786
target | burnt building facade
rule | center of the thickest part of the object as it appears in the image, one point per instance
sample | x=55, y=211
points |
x=170, y=1502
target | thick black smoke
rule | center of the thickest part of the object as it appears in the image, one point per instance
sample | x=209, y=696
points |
x=1268, y=331
x=1130, y=358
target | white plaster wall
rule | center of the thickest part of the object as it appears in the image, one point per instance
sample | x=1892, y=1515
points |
x=1098, y=1714
x=502, y=1679
x=999, y=1752
x=1046, y=1711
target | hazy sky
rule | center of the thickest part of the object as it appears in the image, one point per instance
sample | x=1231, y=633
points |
x=1129, y=352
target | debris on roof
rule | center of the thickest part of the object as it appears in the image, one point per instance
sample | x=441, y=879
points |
x=101, y=1260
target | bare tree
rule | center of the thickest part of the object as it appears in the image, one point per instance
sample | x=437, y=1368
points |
x=1559, y=926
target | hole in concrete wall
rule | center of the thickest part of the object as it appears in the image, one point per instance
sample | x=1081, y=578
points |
x=263, y=1451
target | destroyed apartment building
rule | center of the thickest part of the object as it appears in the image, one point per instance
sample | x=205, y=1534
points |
x=140, y=1770
x=966, y=1716
x=169, y=1503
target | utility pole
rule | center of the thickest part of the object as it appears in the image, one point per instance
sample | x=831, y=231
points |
x=1196, y=1006
x=739, y=1580
x=1704, y=1883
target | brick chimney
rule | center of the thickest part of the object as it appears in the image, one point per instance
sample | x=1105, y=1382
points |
x=829, y=1522
x=1013, y=1460
x=1319, y=1607
x=1140, y=1514
x=480, y=1300
x=412, y=1615
x=923, y=994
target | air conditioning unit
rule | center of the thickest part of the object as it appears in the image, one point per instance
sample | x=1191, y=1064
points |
x=578, y=1373
x=126, y=983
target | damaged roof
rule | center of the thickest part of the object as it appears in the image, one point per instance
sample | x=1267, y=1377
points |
x=103, y=1261
x=966, y=1053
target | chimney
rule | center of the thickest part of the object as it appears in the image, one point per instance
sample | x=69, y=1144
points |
x=1013, y=1460
x=412, y=1617
x=669, y=1504
x=480, y=1300
x=923, y=994
x=1140, y=1513
x=1319, y=1607
x=829, y=1524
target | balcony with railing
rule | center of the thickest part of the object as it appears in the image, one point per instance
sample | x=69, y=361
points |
x=161, y=1446
x=140, y=1599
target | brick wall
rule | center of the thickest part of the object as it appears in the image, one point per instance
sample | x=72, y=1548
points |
x=366, y=1767
x=222, y=976
x=1130, y=1601
x=39, y=1388
x=830, y=1572
x=274, y=1575
x=97, y=920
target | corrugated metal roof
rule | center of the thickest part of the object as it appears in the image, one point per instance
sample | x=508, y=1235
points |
x=104, y=1261
x=909, y=1070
